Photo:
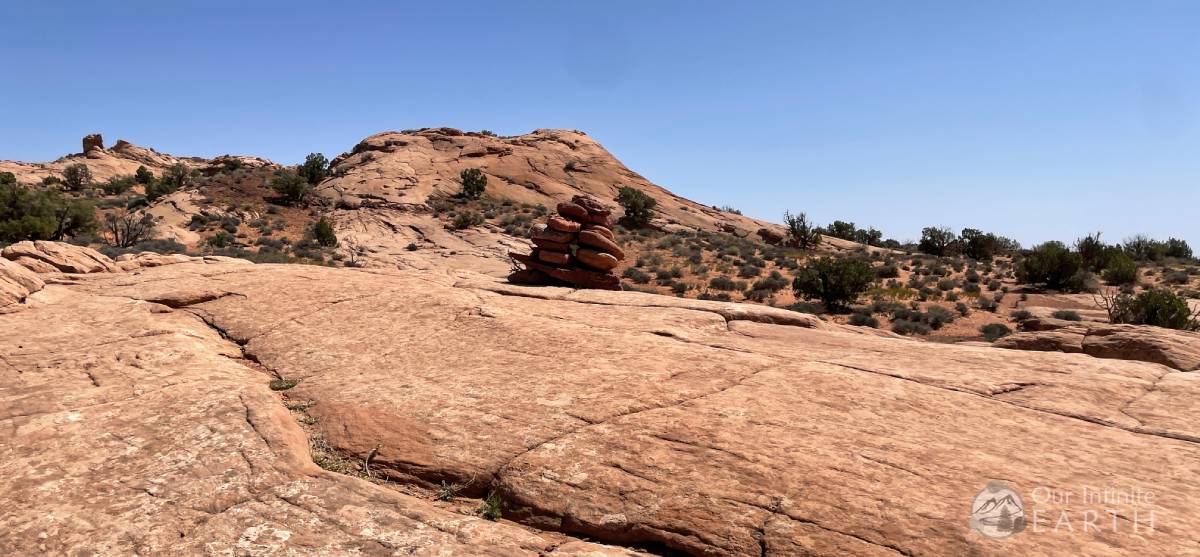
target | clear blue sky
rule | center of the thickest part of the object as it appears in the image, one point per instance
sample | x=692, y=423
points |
x=1036, y=120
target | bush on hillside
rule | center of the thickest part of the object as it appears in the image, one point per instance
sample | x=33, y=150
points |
x=1158, y=307
x=994, y=331
x=314, y=169
x=43, y=214
x=637, y=205
x=835, y=282
x=291, y=186
x=473, y=183
x=1052, y=265
x=77, y=177
x=801, y=233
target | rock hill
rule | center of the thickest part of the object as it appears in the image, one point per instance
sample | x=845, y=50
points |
x=603, y=423
x=406, y=169
x=122, y=159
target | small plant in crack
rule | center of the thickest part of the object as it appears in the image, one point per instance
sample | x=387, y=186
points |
x=301, y=406
x=307, y=420
x=282, y=384
x=490, y=508
x=324, y=456
x=448, y=491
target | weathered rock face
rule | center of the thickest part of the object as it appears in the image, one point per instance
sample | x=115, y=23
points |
x=1176, y=349
x=630, y=418
x=61, y=257
x=122, y=159
x=403, y=169
x=93, y=142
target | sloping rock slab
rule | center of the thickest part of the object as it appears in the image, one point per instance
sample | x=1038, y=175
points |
x=1175, y=349
x=63, y=257
x=620, y=418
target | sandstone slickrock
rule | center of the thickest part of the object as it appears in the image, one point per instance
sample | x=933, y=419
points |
x=1176, y=349
x=122, y=159
x=16, y=283
x=62, y=257
x=93, y=142
x=681, y=425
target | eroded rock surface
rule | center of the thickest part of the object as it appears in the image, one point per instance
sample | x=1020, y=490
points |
x=1176, y=349
x=627, y=418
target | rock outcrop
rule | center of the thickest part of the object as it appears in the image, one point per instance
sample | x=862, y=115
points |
x=142, y=422
x=1175, y=349
x=93, y=142
x=123, y=159
x=404, y=170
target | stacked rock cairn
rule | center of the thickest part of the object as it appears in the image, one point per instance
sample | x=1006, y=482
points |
x=575, y=247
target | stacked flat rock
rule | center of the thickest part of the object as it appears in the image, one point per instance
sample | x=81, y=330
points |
x=574, y=247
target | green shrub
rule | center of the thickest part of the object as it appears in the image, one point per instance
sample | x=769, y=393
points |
x=637, y=205
x=473, y=183
x=1178, y=248
x=466, y=219
x=801, y=233
x=835, y=282
x=176, y=177
x=1120, y=269
x=993, y=331
x=906, y=327
x=1158, y=307
x=1175, y=277
x=887, y=271
x=291, y=186
x=323, y=233
x=722, y=283
x=937, y=317
x=1093, y=252
x=1020, y=315
x=490, y=508
x=804, y=307
x=962, y=309
x=937, y=240
x=1053, y=265
x=639, y=276
x=314, y=169
x=221, y=239
x=864, y=320
x=42, y=214
x=143, y=175
x=117, y=185
x=1066, y=315
x=77, y=176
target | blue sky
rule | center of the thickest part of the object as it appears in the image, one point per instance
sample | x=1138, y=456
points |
x=1036, y=120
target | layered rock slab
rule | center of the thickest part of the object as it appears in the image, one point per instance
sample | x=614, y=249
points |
x=705, y=427
x=132, y=428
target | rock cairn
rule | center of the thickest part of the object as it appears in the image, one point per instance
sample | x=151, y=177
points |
x=574, y=247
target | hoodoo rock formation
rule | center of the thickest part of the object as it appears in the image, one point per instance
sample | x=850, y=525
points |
x=575, y=247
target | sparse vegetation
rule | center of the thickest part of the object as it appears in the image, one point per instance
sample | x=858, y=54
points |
x=473, y=183
x=835, y=282
x=291, y=186
x=994, y=331
x=637, y=205
x=28, y=214
x=800, y=232
x=77, y=177
x=315, y=168
x=490, y=508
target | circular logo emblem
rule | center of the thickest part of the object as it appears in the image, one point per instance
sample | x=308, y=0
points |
x=997, y=511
